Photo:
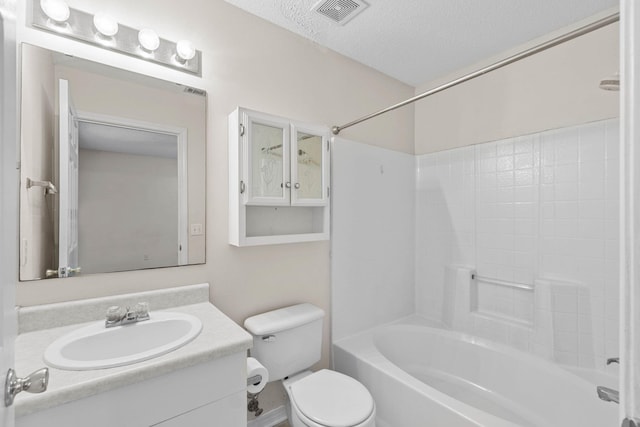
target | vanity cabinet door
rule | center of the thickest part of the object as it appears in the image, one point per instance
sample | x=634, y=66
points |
x=309, y=166
x=266, y=149
x=227, y=412
x=196, y=396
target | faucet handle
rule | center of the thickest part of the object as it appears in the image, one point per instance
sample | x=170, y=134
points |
x=114, y=313
x=613, y=360
x=142, y=310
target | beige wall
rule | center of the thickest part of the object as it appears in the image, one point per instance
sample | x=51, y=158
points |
x=555, y=88
x=251, y=63
x=37, y=147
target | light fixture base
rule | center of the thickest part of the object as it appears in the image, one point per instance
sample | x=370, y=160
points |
x=81, y=27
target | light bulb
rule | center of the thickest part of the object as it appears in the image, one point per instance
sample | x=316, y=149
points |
x=185, y=50
x=57, y=10
x=105, y=24
x=148, y=39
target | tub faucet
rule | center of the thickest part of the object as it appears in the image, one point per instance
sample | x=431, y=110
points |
x=608, y=395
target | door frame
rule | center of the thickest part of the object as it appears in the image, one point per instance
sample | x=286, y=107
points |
x=9, y=202
x=181, y=135
x=629, y=210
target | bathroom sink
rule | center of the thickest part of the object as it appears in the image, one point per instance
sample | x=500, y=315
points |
x=97, y=347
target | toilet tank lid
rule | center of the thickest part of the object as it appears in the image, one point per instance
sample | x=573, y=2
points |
x=283, y=319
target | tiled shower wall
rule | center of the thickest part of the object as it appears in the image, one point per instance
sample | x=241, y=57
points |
x=540, y=208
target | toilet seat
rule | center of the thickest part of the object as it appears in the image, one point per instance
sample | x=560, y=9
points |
x=332, y=399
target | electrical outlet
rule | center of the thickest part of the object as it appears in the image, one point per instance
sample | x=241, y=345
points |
x=196, y=229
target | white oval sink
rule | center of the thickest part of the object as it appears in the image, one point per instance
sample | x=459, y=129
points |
x=96, y=347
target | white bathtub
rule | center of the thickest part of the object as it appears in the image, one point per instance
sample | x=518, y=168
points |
x=424, y=376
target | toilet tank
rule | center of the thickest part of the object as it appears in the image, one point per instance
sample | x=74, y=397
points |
x=288, y=340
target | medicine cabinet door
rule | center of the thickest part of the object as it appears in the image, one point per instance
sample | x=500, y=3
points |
x=309, y=166
x=266, y=171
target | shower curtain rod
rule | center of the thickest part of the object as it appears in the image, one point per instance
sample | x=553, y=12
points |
x=603, y=22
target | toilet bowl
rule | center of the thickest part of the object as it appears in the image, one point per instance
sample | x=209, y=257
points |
x=288, y=341
x=328, y=399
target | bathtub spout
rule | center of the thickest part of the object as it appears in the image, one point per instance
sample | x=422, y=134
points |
x=608, y=395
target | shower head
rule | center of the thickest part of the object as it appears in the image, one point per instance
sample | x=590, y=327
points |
x=611, y=83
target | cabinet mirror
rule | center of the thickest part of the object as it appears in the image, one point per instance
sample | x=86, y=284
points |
x=112, y=169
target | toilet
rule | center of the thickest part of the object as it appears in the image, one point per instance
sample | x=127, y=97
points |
x=288, y=341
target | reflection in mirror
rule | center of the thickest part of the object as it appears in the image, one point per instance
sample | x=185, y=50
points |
x=116, y=166
x=268, y=161
x=309, y=166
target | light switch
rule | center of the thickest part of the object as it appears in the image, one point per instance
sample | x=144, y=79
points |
x=196, y=229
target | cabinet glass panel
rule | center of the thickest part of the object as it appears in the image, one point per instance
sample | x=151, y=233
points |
x=309, y=166
x=267, y=161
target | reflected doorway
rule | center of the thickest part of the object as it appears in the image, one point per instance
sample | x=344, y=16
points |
x=131, y=196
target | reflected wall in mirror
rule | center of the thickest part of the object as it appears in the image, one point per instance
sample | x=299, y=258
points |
x=112, y=169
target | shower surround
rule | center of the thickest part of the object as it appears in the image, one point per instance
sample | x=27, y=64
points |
x=462, y=278
x=536, y=212
x=513, y=240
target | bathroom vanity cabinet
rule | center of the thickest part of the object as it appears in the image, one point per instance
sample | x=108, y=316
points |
x=278, y=180
x=200, y=384
x=207, y=394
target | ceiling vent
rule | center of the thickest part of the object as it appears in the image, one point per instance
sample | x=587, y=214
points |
x=340, y=11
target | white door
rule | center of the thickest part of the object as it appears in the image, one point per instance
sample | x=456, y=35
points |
x=68, y=222
x=630, y=214
x=9, y=199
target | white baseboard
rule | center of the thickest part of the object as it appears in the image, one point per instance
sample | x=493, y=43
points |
x=269, y=419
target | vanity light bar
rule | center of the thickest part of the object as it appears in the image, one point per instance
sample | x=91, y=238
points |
x=80, y=26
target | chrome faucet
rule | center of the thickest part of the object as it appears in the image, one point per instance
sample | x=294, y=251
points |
x=608, y=394
x=117, y=316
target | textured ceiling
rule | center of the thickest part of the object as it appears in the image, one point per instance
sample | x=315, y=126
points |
x=417, y=41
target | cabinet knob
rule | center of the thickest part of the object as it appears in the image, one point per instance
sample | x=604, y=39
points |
x=288, y=185
x=297, y=185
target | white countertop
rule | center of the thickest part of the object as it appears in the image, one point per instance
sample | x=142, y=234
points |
x=220, y=336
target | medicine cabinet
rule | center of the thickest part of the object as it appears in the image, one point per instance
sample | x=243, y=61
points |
x=278, y=180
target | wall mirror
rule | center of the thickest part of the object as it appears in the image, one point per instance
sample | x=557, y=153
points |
x=112, y=169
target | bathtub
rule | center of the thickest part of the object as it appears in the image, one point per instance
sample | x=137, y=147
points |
x=425, y=376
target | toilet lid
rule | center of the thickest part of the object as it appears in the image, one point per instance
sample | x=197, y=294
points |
x=332, y=399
